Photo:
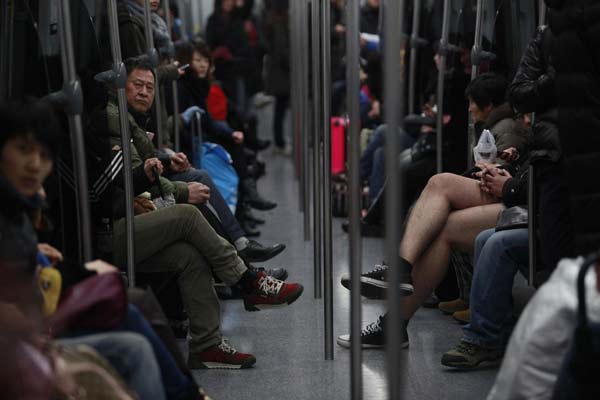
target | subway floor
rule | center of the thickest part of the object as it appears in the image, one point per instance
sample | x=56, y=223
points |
x=288, y=342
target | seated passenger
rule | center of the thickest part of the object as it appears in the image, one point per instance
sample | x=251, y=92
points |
x=199, y=186
x=543, y=336
x=27, y=148
x=193, y=90
x=497, y=259
x=452, y=210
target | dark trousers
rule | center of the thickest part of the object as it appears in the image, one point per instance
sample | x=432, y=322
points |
x=555, y=226
x=228, y=222
x=281, y=106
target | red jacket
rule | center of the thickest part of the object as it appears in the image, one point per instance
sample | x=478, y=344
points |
x=216, y=102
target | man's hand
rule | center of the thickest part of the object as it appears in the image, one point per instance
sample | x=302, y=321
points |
x=50, y=252
x=149, y=166
x=180, y=163
x=510, y=154
x=375, y=111
x=238, y=137
x=198, y=193
x=493, y=181
x=101, y=267
x=142, y=206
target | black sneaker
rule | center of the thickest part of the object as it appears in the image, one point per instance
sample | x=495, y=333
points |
x=468, y=356
x=374, y=284
x=373, y=335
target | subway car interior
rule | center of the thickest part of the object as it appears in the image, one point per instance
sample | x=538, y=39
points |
x=434, y=166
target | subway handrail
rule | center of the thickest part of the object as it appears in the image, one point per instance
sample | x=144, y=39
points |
x=354, y=191
x=393, y=99
x=176, y=133
x=115, y=46
x=317, y=149
x=441, y=81
x=154, y=57
x=326, y=169
x=72, y=89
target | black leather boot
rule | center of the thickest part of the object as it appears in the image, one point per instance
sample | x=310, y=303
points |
x=252, y=197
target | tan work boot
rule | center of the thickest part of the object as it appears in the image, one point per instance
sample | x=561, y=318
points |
x=450, y=307
x=464, y=317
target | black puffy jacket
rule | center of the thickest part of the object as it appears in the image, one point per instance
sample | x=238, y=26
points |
x=18, y=240
x=532, y=90
x=576, y=57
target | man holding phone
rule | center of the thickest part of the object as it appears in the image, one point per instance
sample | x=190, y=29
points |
x=192, y=186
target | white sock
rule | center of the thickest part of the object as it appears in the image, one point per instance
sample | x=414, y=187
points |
x=241, y=243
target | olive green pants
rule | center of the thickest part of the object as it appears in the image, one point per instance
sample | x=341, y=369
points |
x=179, y=239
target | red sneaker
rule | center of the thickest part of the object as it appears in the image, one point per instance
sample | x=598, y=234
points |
x=269, y=292
x=220, y=356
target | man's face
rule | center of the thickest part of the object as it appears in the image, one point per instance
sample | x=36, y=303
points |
x=140, y=90
x=478, y=114
x=25, y=163
x=373, y=3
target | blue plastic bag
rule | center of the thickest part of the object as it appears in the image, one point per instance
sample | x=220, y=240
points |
x=219, y=165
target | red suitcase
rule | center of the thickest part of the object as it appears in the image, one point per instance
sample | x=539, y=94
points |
x=338, y=145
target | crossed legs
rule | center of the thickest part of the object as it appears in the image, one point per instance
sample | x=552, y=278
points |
x=450, y=213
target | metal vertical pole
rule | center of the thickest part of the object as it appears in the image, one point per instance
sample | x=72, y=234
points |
x=543, y=11
x=352, y=100
x=317, y=148
x=306, y=123
x=176, y=137
x=475, y=67
x=298, y=143
x=119, y=82
x=443, y=51
x=6, y=39
x=154, y=58
x=531, y=193
x=414, y=46
x=394, y=86
x=478, y=38
x=532, y=226
x=72, y=88
x=326, y=170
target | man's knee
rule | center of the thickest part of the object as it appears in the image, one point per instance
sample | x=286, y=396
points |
x=482, y=238
x=440, y=181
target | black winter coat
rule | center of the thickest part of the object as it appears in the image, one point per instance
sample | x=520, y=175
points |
x=576, y=57
x=18, y=240
x=277, y=63
x=369, y=20
x=193, y=91
x=532, y=90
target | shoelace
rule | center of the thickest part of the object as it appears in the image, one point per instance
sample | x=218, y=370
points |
x=269, y=285
x=378, y=269
x=226, y=347
x=465, y=347
x=373, y=327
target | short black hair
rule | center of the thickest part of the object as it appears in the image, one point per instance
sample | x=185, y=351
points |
x=486, y=89
x=30, y=117
x=140, y=62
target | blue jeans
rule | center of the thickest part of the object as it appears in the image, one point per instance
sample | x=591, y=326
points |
x=372, y=160
x=177, y=385
x=229, y=223
x=131, y=356
x=497, y=259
